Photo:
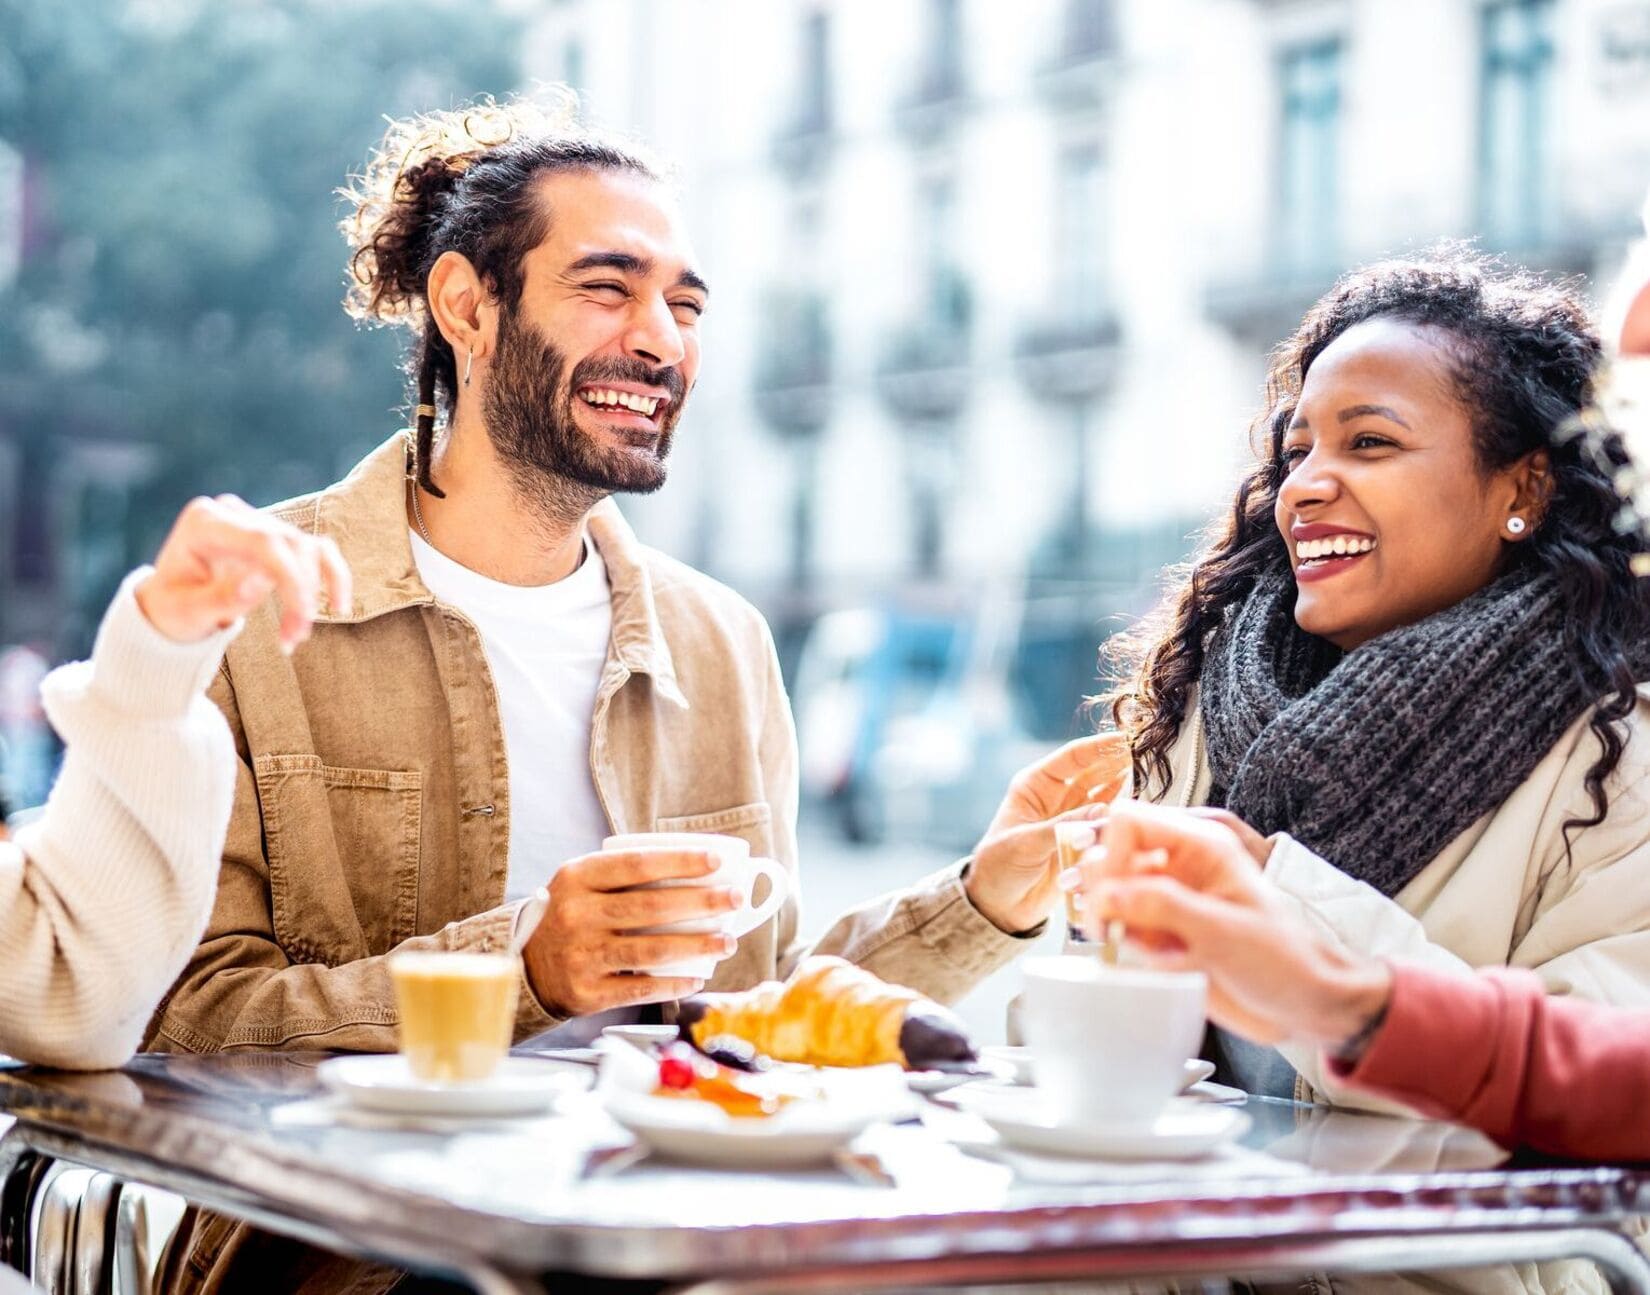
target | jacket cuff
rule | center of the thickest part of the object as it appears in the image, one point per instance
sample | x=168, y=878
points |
x=495, y=932
x=1431, y=1049
x=947, y=922
x=137, y=670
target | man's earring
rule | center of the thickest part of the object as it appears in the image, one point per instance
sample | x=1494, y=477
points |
x=468, y=365
x=1515, y=525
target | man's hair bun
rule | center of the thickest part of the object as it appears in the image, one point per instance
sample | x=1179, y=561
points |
x=400, y=199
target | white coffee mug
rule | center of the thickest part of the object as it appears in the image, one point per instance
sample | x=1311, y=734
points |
x=1109, y=1044
x=735, y=869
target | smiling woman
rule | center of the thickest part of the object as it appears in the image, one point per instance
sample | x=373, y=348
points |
x=1414, y=644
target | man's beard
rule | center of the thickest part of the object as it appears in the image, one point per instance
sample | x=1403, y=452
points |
x=529, y=415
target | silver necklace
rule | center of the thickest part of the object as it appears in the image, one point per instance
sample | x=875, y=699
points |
x=418, y=516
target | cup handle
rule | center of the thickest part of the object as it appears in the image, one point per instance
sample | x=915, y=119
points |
x=779, y=887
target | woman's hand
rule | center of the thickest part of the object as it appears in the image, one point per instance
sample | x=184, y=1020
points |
x=1012, y=879
x=223, y=558
x=1188, y=889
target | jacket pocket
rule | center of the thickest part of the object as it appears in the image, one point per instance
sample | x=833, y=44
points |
x=343, y=856
x=753, y=822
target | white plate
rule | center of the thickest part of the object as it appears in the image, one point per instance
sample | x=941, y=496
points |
x=520, y=1086
x=805, y=1132
x=1017, y=1062
x=1185, y=1130
x=773, y=1142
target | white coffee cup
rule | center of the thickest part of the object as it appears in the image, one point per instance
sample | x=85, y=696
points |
x=1109, y=1044
x=736, y=869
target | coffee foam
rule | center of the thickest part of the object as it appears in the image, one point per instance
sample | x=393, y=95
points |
x=478, y=966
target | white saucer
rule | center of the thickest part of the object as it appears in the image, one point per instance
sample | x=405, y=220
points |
x=1017, y=1061
x=930, y=1082
x=1185, y=1130
x=644, y=1036
x=520, y=1086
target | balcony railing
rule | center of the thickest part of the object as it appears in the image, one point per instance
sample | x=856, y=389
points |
x=803, y=141
x=1069, y=356
x=922, y=373
x=938, y=94
x=793, y=369
x=1079, y=67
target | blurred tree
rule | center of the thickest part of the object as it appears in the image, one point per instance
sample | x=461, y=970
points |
x=181, y=274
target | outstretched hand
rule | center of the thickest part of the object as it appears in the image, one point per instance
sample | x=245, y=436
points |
x=1013, y=878
x=224, y=557
x=1189, y=890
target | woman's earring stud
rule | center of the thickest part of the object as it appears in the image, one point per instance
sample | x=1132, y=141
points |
x=1515, y=525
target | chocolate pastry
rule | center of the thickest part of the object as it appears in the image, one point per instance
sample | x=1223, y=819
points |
x=832, y=1013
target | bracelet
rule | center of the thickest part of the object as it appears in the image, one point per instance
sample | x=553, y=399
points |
x=1350, y=1051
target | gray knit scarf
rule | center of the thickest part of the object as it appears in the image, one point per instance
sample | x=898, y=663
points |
x=1378, y=758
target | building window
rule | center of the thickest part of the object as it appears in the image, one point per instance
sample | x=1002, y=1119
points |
x=13, y=178
x=1087, y=30
x=572, y=63
x=815, y=105
x=1515, y=117
x=1310, y=77
x=937, y=212
x=943, y=75
x=1080, y=236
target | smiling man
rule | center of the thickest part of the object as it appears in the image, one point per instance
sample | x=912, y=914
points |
x=517, y=677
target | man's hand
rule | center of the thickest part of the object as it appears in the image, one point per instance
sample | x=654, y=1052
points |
x=1190, y=894
x=1013, y=877
x=587, y=953
x=223, y=558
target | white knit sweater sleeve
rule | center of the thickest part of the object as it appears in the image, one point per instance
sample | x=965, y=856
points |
x=104, y=897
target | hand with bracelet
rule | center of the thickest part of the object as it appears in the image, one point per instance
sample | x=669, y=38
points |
x=1187, y=886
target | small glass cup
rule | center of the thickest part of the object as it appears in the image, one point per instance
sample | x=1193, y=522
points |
x=457, y=1012
x=1071, y=839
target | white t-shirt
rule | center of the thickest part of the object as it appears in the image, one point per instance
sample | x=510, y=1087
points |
x=546, y=646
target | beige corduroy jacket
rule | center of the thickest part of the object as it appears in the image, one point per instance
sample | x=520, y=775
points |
x=372, y=807
x=372, y=812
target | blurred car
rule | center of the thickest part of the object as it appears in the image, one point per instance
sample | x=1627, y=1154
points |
x=911, y=724
x=860, y=670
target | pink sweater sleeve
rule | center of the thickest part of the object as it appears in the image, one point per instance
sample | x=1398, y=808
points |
x=1499, y=1053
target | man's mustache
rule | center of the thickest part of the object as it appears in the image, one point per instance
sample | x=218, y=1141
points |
x=594, y=372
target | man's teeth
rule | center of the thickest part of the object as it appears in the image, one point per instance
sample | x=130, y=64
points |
x=599, y=396
x=1335, y=546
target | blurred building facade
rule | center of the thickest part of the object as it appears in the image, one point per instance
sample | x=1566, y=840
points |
x=993, y=290
x=993, y=287
x=994, y=283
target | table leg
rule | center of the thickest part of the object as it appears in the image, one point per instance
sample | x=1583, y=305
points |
x=21, y=1169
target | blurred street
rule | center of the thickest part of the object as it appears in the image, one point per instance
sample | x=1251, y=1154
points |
x=837, y=874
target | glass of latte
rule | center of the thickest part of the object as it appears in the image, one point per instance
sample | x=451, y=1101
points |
x=457, y=1012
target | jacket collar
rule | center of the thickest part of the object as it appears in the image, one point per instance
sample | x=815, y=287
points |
x=366, y=515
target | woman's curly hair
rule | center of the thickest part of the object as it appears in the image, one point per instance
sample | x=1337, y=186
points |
x=1524, y=357
x=460, y=181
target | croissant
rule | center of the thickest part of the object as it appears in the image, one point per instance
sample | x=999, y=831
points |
x=832, y=1013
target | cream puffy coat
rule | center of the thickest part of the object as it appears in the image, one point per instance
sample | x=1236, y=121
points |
x=1506, y=892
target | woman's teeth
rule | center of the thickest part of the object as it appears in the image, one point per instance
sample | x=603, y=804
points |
x=1336, y=546
x=603, y=396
